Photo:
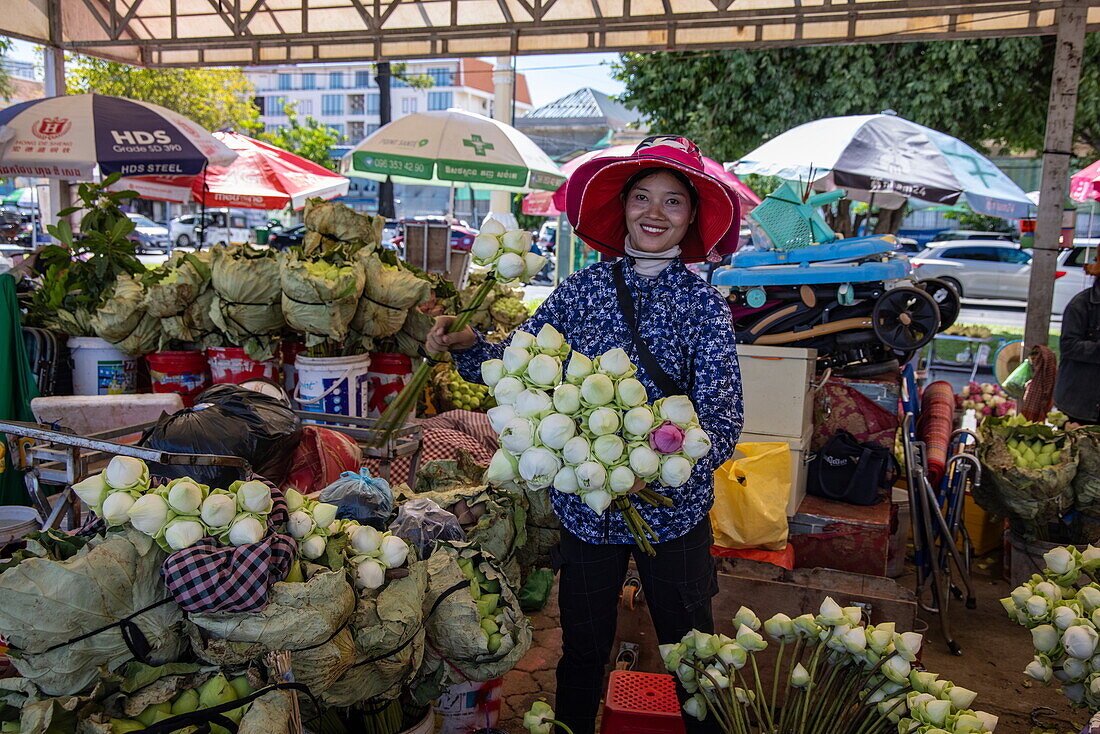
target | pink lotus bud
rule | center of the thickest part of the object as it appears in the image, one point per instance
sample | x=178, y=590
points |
x=666, y=438
x=987, y=410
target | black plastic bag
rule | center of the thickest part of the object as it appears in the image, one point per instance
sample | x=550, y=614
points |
x=360, y=497
x=231, y=421
x=421, y=522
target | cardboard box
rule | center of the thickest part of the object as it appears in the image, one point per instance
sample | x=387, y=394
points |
x=841, y=536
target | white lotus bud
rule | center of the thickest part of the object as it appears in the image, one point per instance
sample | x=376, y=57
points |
x=591, y=476
x=126, y=472
x=1080, y=641
x=579, y=367
x=616, y=362
x=638, y=421
x=603, y=421
x=629, y=393
x=510, y=266
x=185, y=497
x=644, y=461
x=312, y=547
x=324, y=513
x=518, y=435
x=492, y=226
x=254, y=496
x=492, y=371
x=679, y=410
x=538, y=466
x=620, y=480
x=247, y=530
x=550, y=340
x=499, y=416
x=577, y=450
x=294, y=499
x=366, y=539
x=515, y=360
x=517, y=241
x=522, y=339
x=92, y=491
x=675, y=471
x=533, y=263
x=370, y=575
x=394, y=551
x=533, y=404
x=485, y=249
x=565, y=481
x=1059, y=560
x=598, y=500
x=300, y=524
x=503, y=468
x=608, y=449
x=183, y=532
x=696, y=443
x=800, y=677
x=597, y=389
x=218, y=510
x=507, y=390
x=567, y=399
x=116, y=508
x=149, y=514
x=555, y=430
x=543, y=370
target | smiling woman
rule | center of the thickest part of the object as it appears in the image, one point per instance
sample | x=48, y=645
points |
x=658, y=208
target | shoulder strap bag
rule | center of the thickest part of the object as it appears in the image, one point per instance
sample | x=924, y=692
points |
x=649, y=363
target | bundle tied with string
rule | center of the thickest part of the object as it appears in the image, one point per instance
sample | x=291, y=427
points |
x=456, y=647
x=124, y=321
x=247, y=307
x=309, y=619
x=180, y=295
x=388, y=629
x=102, y=607
x=391, y=290
x=320, y=298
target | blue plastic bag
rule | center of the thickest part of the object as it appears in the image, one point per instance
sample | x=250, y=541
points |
x=360, y=497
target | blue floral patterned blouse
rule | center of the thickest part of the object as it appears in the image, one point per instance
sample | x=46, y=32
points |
x=686, y=324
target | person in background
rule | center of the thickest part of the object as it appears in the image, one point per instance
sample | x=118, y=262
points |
x=650, y=212
x=1077, y=389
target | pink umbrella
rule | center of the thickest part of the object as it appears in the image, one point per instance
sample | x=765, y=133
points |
x=1085, y=185
x=547, y=204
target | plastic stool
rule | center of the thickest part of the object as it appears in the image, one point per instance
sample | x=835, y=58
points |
x=641, y=703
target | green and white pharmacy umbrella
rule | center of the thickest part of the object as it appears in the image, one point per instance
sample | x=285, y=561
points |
x=454, y=148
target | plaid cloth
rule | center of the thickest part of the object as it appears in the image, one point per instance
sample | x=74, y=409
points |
x=321, y=457
x=1039, y=394
x=438, y=444
x=210, y=578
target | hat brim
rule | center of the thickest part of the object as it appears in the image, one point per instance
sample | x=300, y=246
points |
x=595, y=209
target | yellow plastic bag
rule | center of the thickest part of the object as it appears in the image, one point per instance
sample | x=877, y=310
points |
x=750, y=497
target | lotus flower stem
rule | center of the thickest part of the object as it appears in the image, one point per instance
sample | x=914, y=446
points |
x=654, y=498
x=762, y=697
x=778, y=668
x=397, y=412
x=727, y=715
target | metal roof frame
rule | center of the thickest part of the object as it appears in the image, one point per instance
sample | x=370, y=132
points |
x=263, y=32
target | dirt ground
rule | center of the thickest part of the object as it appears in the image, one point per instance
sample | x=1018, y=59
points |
x=994, y=653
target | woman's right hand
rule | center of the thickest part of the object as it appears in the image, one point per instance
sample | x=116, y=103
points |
x=440, y=341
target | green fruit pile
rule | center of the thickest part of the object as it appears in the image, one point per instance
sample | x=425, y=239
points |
x=214, y=692
x=465, y=395
x=487, y=595
x=508, y=312
x=1033, y=454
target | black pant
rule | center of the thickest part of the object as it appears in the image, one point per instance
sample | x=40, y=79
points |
x=678, y=583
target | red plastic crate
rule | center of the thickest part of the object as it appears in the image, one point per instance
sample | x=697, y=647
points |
x=641, y=703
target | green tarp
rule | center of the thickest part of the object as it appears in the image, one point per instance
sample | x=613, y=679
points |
x=17, y=386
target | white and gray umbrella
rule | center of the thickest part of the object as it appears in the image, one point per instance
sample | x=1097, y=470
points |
x=885, y=159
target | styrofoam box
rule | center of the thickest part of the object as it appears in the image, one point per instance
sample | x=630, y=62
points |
x=776, y=382
x=800, y=463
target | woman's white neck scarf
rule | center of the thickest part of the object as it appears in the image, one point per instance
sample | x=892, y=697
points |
x=651, y=264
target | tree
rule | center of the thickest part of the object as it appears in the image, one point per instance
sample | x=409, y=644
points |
x=214, y=98
x=308, y=138
x=6, y=87
x=984, y=91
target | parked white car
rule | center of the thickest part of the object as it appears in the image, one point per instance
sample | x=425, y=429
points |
x=148, y=234
x=222, y=226
x=1001, y=270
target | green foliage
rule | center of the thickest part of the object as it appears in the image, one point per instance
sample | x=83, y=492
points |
x=529, y=222
x=982, y=91
x=969, y=219
x=78, y=274
x=213, y=98
x=307, y=138
x=6, y=87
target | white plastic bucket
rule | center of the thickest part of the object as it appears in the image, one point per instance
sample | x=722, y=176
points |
x=468, y=707
x=100, y=369
x=15, y=522
x=335, y=385
x=426, y=725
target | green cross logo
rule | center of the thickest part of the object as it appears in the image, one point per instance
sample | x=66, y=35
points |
x=479, y=145
x=977, y=170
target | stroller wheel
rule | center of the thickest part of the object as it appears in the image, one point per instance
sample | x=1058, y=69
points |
x=905, y=318
x=946, y=297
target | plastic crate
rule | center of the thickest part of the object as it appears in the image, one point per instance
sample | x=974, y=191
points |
x=641, y=703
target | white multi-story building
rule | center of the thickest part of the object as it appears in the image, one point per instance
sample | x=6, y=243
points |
x=345, y=98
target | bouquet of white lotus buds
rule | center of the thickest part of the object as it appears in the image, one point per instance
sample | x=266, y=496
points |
x=180, y=513
x=507, y=256
x=1061, y=607
x=588, y=430
x=367, y=553
x=831, y=668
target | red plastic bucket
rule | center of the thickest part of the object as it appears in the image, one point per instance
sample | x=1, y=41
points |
x=233, y=366
x=185, y=373
x=289, y=352
x=389, y=373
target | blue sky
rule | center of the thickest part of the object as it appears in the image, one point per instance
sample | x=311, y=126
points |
x=548, y=77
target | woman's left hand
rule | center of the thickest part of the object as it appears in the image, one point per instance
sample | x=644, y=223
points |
x=639, y=485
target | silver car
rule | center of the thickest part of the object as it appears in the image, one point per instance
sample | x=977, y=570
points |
x=1000, y=270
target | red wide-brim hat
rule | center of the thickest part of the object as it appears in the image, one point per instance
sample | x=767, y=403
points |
x=595, y=208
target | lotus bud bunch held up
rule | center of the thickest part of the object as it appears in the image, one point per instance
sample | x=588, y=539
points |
x=1061, y=608
x=832, y=668
x=507, y=256
x=587, y=429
